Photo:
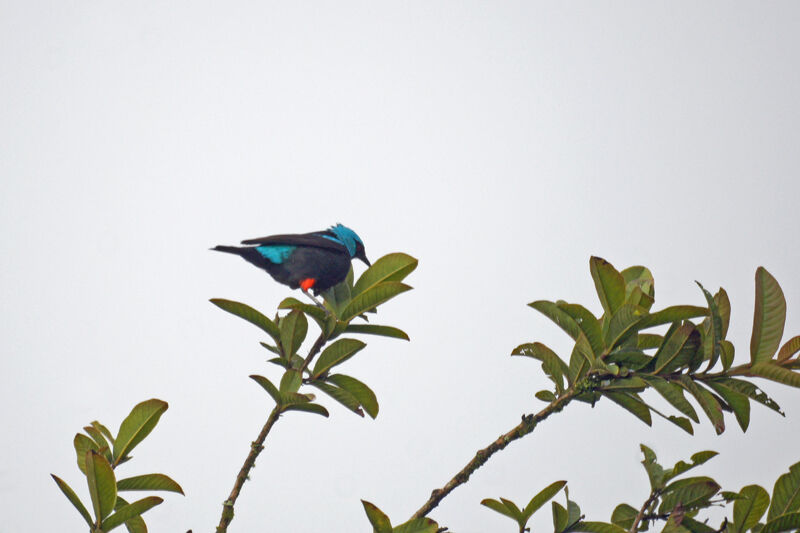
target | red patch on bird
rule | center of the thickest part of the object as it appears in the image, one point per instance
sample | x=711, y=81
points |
x=307, y=283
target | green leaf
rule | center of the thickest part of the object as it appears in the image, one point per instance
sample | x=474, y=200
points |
x=104, y=430
x=102, y=443
x=708, y=403
x=786, y=493
x=130, y=511
x=726, y=353
x=677, y=349
x=774, y=372
x=623, y=324
x=391, y=267
x=417, y=525
x=555, y=368
x=647, y=341
x=609, y=283
x=748, y=510
x=724, y=308
x=73, y=498
x=696, y=527
x=542, y=497
x=136, y=426
x=655, y=472
x=372, y=298
x=737, y=401
x=336, y=298
x=673, y=394
x=581, y=359
x=682, y=467
x=690, y=493
x=768, y=318
x=587, y=323
x=311, y=310
x=597, y=527
x=290, y=381
x=632, y=359
x=715, y=331
x=251, y=315
x=83, y=444
x=500, y=507
x=102, y=484
x=559, y=316
x=267, y=385
x=149, y=482
x=335, y=354
x=133, y=525
x=788, y=350
x=342, y=396
x=632, y=403
x=359, y=390
x=675, y=313
x=545, y=396
x=639, y=286
x=373, y=329
x=749, y=390
x=624, y=515
x=294, y=328
x=786, y=522
x=308, y=408
x=380, y=522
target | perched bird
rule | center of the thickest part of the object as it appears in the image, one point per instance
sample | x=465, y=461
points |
x=310, y=261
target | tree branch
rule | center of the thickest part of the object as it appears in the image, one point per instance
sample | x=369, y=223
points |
x=653, y=496
x=258, y=445
x=528, y=424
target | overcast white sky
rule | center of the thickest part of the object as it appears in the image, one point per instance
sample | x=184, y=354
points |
x=501, y=144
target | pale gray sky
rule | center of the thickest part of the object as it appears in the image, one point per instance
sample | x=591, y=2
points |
x=501, y=144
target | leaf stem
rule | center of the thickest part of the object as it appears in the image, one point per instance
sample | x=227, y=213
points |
x=528, y=424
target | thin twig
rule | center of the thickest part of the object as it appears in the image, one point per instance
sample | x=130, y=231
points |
x=529, y=422
x=257, y=446
x=653, y=496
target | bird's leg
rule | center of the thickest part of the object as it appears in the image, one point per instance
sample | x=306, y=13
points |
x=317, y=302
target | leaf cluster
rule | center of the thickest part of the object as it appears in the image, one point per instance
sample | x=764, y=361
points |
x=99, y=453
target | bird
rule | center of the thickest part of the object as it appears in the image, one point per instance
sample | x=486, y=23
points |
x=313, y=261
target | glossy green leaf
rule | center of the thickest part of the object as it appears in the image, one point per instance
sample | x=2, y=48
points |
x=609, y=284
x=373, y=329
x=559, y=316
x=632, y=359
x=135, y=524
x=681, y=467
x=724, y=308
x=83, y=444
x=73, y=498
x=552, y=364
x=104, y=430
x=130, y=511
x=690, y=493
x=545, y=396
x=102, y=444
x=786, y=522
x=786, y=493
x=696, y=527
x=560, y=517
x=372, y=298
x=631, y=403
x=751, y=391
x=791, y=347
x=342, y=396
x=500, y=507
x=639, y=286
x=587, y=323
x=678, y=349
x=102, y=484
x=673, y=394
x=675, y=313
x=542, y=497
x=736, y=401
x=768, y=318
x=335, y=354
x=380, y=522
x=249, y=314
x=726, y=353
x=136, y=426
x=290, y=381
x=647, y=341
x=655, y=472
x=311, y=310
x=581, y=359
x=748, y=510
x=267, y=385
x=417, y=525
x=715, y=334
x=337, y=298
x=293, y=328
x=149, y=482
x=623, y=324
x=775, y=372
x=391, y=267
x=359, y=390
x=308, y=408
x=624, y=515
x=708, y=403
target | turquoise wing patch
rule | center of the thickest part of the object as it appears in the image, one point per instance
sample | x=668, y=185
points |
x=276, y=253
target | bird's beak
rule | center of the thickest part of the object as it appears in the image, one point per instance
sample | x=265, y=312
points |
x=363, y=257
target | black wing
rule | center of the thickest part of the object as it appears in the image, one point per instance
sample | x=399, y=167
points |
x=315, y=240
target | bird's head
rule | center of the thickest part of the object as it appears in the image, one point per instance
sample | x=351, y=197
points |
x=351, y=241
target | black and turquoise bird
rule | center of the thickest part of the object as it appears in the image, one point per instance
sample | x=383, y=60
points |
x=310, y=261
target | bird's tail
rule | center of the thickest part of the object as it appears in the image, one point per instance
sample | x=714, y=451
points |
x=229, y=249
